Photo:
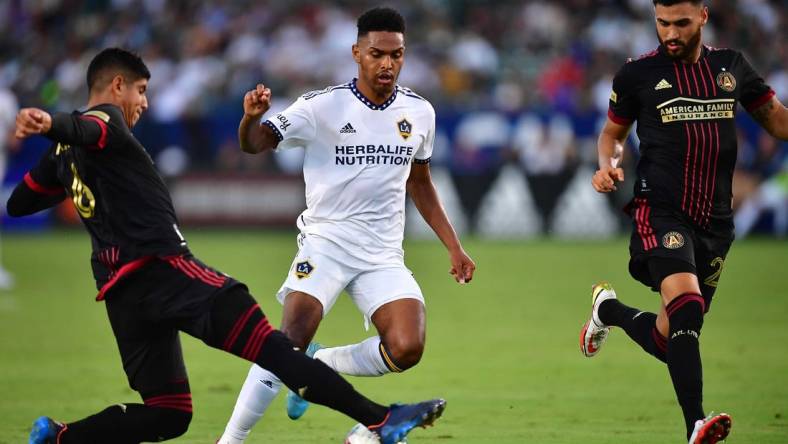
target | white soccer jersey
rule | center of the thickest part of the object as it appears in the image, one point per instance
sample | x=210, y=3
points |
x=357, y=159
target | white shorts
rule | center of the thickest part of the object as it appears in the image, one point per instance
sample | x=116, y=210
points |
x=322, y=269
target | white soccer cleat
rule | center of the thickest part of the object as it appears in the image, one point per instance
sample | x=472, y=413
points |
x=594, y=332
x=712, y=429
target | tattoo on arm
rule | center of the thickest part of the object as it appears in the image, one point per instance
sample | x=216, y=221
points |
x=762, y=114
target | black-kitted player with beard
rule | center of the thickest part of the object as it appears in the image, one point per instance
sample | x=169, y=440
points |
x=152, y=285
x=683, y=96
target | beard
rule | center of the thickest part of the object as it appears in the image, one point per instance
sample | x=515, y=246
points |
x=685, y=49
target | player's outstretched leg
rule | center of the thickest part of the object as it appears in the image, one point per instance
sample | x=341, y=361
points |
x=240, y=327
x=594, y=332
x=296, y=405
x=118, y=424
x=712, y=429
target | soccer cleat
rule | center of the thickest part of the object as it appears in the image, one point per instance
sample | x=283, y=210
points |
x=45, y=431
x=401, y=419
x=594, y=332
x=296, y=405
x=712, y=429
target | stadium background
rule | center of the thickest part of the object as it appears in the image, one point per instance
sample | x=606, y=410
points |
x=520, y=89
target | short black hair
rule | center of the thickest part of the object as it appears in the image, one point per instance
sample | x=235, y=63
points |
x=380, y=19
x=676, y=2
x=112, y=61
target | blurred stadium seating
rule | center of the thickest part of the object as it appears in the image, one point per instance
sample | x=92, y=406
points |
x=520, y=88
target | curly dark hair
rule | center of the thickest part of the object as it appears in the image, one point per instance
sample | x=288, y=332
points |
x=380, y=19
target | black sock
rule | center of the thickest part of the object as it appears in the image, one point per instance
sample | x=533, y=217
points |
x=639, y=325
x=316, y=382
x=240, y=327
x=686, y=319
x=127, y=424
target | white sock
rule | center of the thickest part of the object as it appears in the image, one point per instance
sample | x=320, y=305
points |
x=362, y=359
x=260, y=388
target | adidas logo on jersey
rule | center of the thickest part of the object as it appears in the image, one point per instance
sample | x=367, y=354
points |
x=347, y=129
x=663, y=84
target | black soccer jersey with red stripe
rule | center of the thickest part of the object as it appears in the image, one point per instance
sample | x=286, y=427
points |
x=122, y=200
x=685, y=122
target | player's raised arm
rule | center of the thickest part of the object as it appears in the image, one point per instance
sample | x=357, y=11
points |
x=610, y=146
x=252, y=136
x=425, y=197
x=773, y=117
x=72, y=129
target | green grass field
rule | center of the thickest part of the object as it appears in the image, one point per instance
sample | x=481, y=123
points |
x=503, y=351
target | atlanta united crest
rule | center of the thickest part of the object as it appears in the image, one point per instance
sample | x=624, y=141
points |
x=303, y=269
x=673, y=240
x=405, y=128
x=726, y=81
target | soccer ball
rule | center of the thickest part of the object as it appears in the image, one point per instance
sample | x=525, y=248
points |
x=361, y=435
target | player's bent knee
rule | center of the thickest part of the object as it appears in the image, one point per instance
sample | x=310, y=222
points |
x=402, y=354
x=172, y=422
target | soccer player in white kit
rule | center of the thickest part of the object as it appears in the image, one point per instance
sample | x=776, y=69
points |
x=366, y=142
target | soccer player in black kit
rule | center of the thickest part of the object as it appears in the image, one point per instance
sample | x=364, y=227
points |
x=151, y=284
x=683, y=96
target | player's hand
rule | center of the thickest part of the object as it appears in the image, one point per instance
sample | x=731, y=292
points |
x=31, y=121
x=604, y=180
x=462, y=266
x=257, y=101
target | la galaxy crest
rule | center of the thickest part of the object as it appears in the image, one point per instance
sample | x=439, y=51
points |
x=405, y=128
x=303, y=269
x=673, y=240
x=726, y=81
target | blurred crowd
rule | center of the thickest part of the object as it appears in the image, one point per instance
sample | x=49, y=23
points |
x=505, y=55
x=531, y=76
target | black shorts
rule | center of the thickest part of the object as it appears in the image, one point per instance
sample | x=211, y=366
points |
x=148, y=307
x=663, y=242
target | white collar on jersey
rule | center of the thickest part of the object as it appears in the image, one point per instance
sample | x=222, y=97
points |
x=368, y=102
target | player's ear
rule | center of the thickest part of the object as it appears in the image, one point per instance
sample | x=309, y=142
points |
x=117, y=84
x=356, y=53
x=704, y=15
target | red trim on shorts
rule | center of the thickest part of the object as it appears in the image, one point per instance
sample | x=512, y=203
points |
x=256, y=340
x=40, y=189
x=642, y=224
x=123, y=271
x=760, y=101
x=619, y=120
x=194, y=271
x=683, y=300
x=239, y=325
x=102, y=142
